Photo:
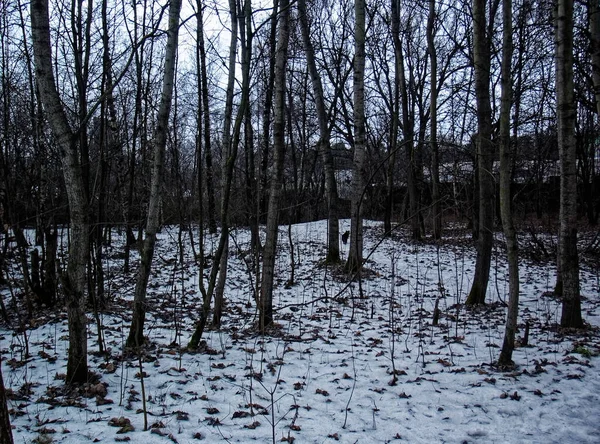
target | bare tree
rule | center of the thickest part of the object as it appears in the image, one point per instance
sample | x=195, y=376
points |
x=394, y=105
x=74, y=282
x=230, y=147
x=355, y=254
x=568, y=286
x=270, y=248
x=433, y=135
x=333, y=230
x=136, y=332
x=244, y=17
x=139, y=130
x=267, y=110
x=485, y=151
x=406, y=87
x=204, y=110
x=512, y=248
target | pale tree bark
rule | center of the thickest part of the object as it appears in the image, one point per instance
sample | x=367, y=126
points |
x=244, y=17
x=485, y=153
x=512, y=247
x=47, y=292
x=270, y=249
x=5, y=429
x=229, y=156
x=202, y=138
x=136, y=331
x=333, y=229
x=435, y=156
x=566, y=110
x=355, y=254
x=74, y=282
x=50, y=276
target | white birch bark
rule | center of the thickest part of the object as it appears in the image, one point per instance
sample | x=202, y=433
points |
x=136, y=332
x=355, y=254
x=270, y=249
x=74, y=282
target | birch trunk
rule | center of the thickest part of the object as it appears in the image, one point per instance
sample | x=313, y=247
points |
x=512, y=249
x=568, y=256
x=245, y=33
x=75, y=280
x=230, y=145
x=266, y=116
x=333, y=230
x=270, y=249
x=408, y=124
x=203, y=80
x=136, y=331
x=355, y=254
x=435, y=162
x=485, y=154
x=395, y=124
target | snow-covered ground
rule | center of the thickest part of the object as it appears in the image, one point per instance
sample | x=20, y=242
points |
x=340, y=366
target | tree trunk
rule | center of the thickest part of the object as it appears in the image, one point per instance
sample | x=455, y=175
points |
x=408, y=125
x=75, y=280
x=220, y=287
x=136, y=332
x=266, y=117
x=435, y=162
x=333, y=229
x=245, y=32
x=269, y=253
x=512, y=248
x=355, y=254
x=395, y=124
x=203, y=80
x=138, y=132
x=108, y=128
x=568, y=256
x=230, y=148
x=485, y=154
x=5, y=428
x=251, y=182
x=252, y=200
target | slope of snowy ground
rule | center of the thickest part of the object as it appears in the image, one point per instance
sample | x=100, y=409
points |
x=340, y=366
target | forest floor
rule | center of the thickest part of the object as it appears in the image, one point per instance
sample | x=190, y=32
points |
x=344, y=363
